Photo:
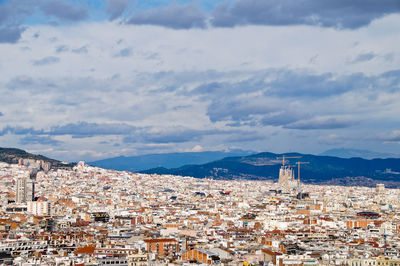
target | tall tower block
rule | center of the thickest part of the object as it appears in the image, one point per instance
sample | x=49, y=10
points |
x=25, y=190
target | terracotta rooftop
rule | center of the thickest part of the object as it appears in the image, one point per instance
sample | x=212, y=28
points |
x=85, y=250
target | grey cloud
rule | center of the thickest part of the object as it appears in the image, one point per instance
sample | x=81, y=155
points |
x=321, y=123
x=284, y=83
x=62, y=48
x=331, y=13
x=245, y=136
x=64, y=10
x=77, y=130
x=257, y=111
x=1, y=114
x=12, y=15
x=331, y=139
x=17, y=130
x=25, y=48
x=153, y=56
x=223, y=16
x=253, y=111
x=115, y=8
x=391, y=73
x=244, y=123
x=209, y=88
x=20, y=82
x=43, y=140
x=85, y=129
x=7, y=11
x=46, y=61
x=181, y=107
x=169, y=136
x=218, y=90
x=388, y=81
x=177, y=136
x=280, y=118
x=166, y=89
x=10, y=35
x=270, y=97
x=363, y=58
x=389, y=57
x=124, y=52
x=237, y=109
x=279, y=97
x=167, y=80
x=81, y=50
x=172, y=135
x=50, y=86
x=297, y=84
x=173, y=16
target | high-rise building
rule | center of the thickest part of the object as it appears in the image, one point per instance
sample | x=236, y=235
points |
x=25, y=190
x=20, y=189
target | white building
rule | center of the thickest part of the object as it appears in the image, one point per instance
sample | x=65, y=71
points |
x=39, y=208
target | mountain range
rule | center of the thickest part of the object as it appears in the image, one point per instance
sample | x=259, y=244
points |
x=176, y=160
x=167, y=160
x=319, y=170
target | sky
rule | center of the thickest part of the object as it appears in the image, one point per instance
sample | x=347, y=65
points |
x=86, y=80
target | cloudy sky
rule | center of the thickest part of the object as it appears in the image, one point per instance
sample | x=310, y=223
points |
x=84, y=80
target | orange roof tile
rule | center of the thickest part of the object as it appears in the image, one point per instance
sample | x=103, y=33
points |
x=85, y=250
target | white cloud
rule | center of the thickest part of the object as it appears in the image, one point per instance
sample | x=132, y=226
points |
x=197, y=148
x=140, y=90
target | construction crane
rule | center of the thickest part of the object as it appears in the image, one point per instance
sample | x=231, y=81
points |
x=285, y=157
x=298, y=169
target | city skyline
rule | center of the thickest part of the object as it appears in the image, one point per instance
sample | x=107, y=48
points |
x=95, y=79
x=89, y=215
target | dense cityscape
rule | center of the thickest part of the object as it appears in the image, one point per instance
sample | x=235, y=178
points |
x=199, y=132
x=93, y=216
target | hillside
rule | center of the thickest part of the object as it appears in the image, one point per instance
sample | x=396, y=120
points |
x=13, y=155
x=320, y=170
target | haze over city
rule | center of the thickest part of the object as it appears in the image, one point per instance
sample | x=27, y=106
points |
x=85, y=80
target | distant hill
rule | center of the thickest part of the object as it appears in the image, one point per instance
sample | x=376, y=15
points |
x=351, y=153
x=321, y=170
x=167, y=160
x=13, y=155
